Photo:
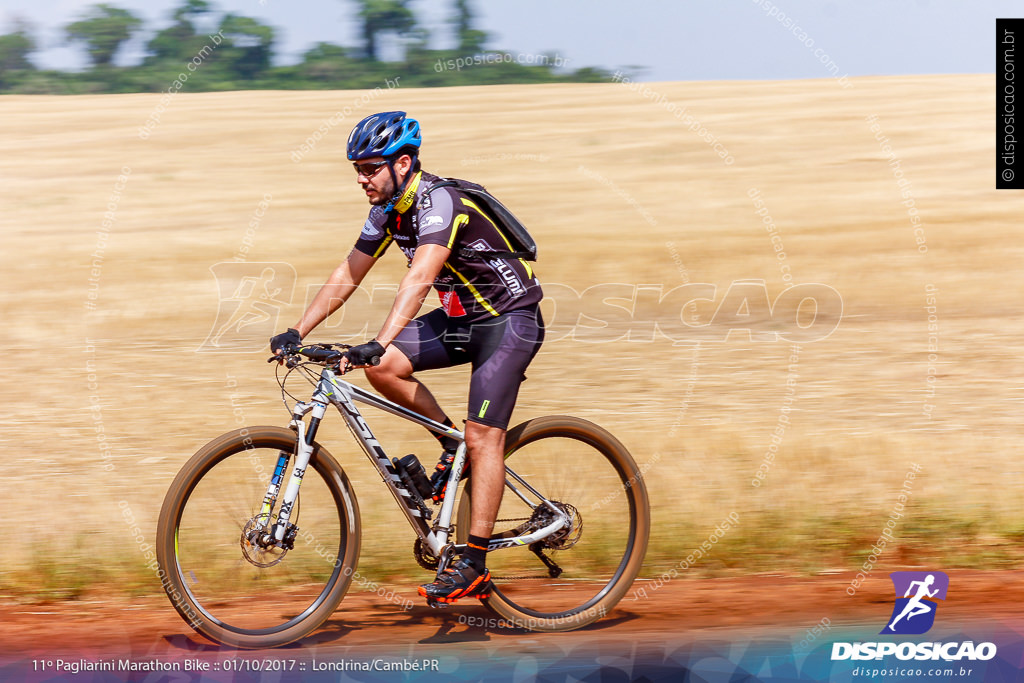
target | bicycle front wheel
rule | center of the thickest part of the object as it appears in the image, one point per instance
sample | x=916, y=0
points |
x=577, y=575
x=233, y=591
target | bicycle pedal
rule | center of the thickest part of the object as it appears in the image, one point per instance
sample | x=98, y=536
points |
x=434, y=603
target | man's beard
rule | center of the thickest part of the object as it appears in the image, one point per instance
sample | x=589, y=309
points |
x=384, y=196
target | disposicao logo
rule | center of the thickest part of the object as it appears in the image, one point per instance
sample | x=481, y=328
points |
x=917, y=594
x=914, y=612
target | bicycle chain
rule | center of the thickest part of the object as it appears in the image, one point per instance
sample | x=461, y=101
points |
x=429, y=562
x=519, y=578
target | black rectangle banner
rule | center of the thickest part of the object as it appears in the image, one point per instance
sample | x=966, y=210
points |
x=1009, y=150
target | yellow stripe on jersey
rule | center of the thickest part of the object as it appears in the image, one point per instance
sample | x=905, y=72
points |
x=383, y=246
x=474, y=291
x=459, y=221
x=469, y=203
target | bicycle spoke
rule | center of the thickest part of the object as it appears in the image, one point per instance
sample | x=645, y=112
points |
x=236, y=583
x=586, y=564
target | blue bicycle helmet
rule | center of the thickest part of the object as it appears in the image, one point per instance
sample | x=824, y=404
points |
x=383, y=135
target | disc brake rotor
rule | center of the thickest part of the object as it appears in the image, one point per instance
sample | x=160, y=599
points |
x=254, y=552
x=563, y=538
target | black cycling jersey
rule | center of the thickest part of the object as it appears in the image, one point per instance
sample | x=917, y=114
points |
x=471, y=289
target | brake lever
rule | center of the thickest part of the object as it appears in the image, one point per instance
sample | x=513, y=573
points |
x=286, y=352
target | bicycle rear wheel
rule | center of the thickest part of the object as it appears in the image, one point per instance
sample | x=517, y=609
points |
x=591, y=476
x=232, y=591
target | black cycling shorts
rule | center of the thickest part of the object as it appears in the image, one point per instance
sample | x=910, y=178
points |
x=499, y=349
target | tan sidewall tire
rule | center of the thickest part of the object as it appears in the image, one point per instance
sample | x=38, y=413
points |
x=185, y=481
x=574, y=427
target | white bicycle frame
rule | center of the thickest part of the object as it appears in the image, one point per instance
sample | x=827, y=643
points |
x=331, y=389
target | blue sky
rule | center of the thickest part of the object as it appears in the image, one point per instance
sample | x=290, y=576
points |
x=671, y=40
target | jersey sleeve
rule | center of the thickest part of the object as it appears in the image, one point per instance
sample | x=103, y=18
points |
x=374, y=239
x=440, y=218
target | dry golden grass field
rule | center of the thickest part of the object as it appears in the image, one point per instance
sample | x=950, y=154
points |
x=111, y=383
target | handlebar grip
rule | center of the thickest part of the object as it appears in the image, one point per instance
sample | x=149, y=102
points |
x=373, y=360
x=320, y=354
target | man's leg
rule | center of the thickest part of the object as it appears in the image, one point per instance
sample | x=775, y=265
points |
x=502, y=351
x=468, y=577
x=418, y=347
x=486, y=448
x=393, y=378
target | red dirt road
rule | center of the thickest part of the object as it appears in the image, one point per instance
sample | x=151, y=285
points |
x=683, y=609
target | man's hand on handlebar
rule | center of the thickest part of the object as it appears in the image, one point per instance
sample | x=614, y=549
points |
x=362, y=356
x=278, y=343
x=287, y=348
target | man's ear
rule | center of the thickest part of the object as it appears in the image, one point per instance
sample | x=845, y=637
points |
x=406, y=161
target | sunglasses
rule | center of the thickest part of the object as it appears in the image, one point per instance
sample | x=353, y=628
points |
x=368, y=169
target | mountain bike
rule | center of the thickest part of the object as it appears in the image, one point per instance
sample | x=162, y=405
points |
x=259, y=533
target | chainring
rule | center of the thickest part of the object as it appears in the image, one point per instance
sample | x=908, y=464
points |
x=423, y=556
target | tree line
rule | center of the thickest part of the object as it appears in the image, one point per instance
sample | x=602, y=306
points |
x=238, y=54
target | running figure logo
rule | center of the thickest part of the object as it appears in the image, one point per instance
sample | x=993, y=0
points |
x=914, y=613
x=251, y=297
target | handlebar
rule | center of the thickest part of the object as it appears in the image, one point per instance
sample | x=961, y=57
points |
x=325, y=354
x=319, y=354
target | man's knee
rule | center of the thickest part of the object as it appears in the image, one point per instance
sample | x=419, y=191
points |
x=483, y=439
x=375, y=373
x=393, y=364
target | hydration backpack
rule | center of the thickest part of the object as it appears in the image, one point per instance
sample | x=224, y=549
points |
x=523, y=245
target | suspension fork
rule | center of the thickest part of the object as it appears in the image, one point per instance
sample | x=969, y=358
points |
x=270, y=500
x=305, y=437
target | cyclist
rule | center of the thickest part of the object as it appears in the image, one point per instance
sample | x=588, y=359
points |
x=489, y=317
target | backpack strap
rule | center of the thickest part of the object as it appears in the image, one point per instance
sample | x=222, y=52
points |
x=426, y=192
x=485, y=254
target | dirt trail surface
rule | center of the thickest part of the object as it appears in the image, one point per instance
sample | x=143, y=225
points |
x=679, y=613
